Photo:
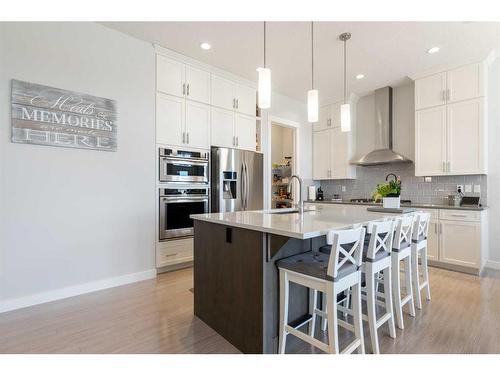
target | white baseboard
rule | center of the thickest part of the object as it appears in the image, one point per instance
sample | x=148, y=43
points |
x=493, y=264
x=71, y=291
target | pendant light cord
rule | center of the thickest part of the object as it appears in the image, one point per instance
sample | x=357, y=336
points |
x=345, y=73
x=312, y=55
x=264, y=44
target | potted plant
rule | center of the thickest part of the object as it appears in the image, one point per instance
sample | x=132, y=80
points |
x=389, y=192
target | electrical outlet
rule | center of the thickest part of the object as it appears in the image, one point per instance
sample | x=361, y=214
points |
x=428, y=179
x=343, y=188
x=460, y=188
x=468, y=188
x=477, y=188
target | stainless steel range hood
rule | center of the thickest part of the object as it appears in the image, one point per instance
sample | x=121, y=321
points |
x=383, y=152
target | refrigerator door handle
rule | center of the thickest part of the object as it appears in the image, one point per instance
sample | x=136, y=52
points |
x=247, y=185
x=242, y=187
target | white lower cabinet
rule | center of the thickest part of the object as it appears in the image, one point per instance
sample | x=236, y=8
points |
x=170, y=253
x=433, y=240
x=460, y=243
x=232, y=129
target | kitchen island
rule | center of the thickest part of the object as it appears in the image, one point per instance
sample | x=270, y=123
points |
x=236, y=289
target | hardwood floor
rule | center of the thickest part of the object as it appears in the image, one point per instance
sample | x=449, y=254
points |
x=156, y=316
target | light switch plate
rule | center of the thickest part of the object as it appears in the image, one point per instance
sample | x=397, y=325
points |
x=477, y=188
x=343, y=188
x=428, y=179
x=468, y=188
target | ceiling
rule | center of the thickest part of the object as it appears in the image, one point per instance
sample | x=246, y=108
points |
x=385, y=52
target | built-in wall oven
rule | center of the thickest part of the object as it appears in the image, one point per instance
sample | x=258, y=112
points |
x=177, y=203
x=184, y=166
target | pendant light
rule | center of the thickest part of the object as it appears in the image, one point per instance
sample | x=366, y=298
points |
x=312, y=95
x=264, y=89
x=345, y=109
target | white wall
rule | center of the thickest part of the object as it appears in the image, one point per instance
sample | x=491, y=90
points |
x=494, y=158
x=70, y=216
x=403, y=112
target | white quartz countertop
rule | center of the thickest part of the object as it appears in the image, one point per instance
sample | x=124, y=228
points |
x=308, y=225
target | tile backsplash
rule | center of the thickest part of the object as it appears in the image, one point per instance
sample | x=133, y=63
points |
x=413, y=188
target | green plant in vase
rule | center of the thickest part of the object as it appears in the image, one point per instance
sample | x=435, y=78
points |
x=389, y=189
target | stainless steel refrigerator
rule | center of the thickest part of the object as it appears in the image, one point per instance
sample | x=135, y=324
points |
x=236, y=180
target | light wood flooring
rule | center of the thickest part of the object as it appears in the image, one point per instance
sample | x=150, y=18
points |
x=156, y=316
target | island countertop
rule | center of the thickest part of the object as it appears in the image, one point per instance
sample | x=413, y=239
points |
x=285, y=222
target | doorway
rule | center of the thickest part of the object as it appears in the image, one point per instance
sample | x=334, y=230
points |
x=283, y=163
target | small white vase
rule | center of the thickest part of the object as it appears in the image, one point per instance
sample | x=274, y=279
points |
x=392, y=202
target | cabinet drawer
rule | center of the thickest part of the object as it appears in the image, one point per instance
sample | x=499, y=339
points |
x=174, y=252
x=459, y=215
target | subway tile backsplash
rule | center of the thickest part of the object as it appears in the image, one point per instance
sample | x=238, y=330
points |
x=413, y=188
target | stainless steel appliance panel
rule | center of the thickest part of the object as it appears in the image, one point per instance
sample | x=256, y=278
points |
x=254, y=198
x=183, y=166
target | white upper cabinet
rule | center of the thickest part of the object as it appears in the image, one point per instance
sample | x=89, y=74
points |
x=170, y=76
x=197, y=128
x=246, y=100
x=245, y=131
x=197, y=85
x=179, y=79
x=232, y=129
x=465, y=137
x=465, y=83
x=341, y=152
x=230, y=95
x=170, y=119
x=321, y=154
x=335, y=115
x=222, y=93
x=181, y=122
x=430, y=141
x=222, y=133
x=430, y=91
x=450, y=138
x=324, y=118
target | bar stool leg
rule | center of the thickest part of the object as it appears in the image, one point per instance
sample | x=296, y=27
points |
x=313, y=305
x=324, y=321
x=333, y=333
x=416, y=277
x=388, y=301
x=371, y=312
x=408, y=284
x=284, y=289
x=396, y=291
x=425, y=272
x=358, y=320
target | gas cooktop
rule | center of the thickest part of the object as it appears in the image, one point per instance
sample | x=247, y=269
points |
x=368, y=200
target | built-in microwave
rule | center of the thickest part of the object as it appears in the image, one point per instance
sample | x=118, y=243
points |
x=176, y=205
x=183, y=166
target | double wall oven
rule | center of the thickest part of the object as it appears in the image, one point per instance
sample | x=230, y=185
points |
x=184, y=191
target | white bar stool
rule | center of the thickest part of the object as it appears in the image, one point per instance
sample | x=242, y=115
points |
x=330, y=275
x=377, y=258
x=401, y=251
x=419, y=249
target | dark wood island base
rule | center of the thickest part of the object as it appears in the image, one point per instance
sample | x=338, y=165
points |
x=236, y=289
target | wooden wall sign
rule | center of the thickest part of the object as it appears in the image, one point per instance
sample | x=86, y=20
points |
x=49, y=116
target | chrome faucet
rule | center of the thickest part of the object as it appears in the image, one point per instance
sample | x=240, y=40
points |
x=300, y=205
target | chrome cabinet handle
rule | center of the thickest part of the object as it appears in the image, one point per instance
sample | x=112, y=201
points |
x=187, y=138
x=183, y=137
x=234, y=142
x=237, y=103
x=188, y=89
x=458, y=215
x=436, y=228
x=329, y=122
x=237, y=141
x=234, y=103
x=444, y=167
x=443, y=95
x=183, y=89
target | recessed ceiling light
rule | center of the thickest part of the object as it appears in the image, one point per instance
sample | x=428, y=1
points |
x=360, y=76
x=433, y=50
x=206, y=46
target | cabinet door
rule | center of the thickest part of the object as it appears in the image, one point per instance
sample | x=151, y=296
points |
x=222, y=124
x=170, y=76
x=433, y=240
x=245, y=130
x=339, y=149
x=246, y=100
x=465, y=83
x=197, y=124
x=465, y=137
x=321, y=154
x=430, y=91
x=197, y=84
x=430, y=141
x=324, y=118
x=460, y=243
x=223, y=92
x=170, y=116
